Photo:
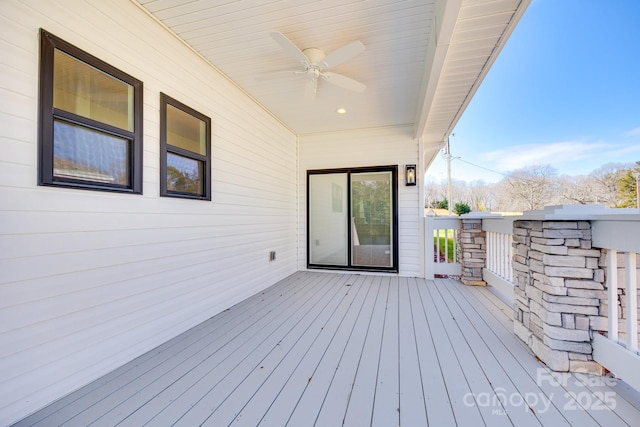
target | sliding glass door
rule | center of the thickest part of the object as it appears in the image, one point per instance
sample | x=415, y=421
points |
x=352, y=218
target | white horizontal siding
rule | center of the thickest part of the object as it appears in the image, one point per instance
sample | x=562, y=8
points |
x=90, y=280
x=370, y=147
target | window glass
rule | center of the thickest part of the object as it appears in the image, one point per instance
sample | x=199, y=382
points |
x=328, y=219
x=88, y=155
x=184, y=175
x=186, y=131
x=372, y=210
x=86, y=91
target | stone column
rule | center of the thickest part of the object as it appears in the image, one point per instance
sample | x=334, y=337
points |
x=472, y=247
x=559, y=289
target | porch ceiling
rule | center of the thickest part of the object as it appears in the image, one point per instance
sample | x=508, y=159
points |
x=423, y=59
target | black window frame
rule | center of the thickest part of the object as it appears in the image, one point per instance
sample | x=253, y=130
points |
x=48, y=115
x=166, y=148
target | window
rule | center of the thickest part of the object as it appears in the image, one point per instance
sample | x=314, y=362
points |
x=185, y=151
x=90, y=121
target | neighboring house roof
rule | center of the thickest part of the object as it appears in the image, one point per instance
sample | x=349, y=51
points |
x=423, y=61
x=438, y=212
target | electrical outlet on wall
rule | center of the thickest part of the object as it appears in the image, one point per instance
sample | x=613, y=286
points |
x=272, y=256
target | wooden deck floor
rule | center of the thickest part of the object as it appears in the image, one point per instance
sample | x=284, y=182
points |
x=357, y=350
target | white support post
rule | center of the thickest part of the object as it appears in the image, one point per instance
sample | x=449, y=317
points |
x=612, y=293
x=511, y=255
x=506, y=257
x=454, y=255
x=429, y=265
x=503, y=255
x=632, y=301
x=455, y=245
x=497, y=254
x=446, y=244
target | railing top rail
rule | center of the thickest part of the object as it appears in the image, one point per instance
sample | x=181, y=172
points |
x=582, y=213
x=445, y=221
x=615, y=234
x=503, y=224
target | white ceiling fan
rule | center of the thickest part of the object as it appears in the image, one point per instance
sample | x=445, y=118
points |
x=315, y=64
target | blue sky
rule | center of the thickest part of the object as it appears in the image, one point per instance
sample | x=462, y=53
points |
x=564, y=91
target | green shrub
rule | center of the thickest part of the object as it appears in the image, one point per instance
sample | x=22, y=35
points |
x=461, y=208
x=445, y=241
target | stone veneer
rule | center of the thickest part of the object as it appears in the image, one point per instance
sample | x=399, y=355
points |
x=559, y=292
x=472, y=247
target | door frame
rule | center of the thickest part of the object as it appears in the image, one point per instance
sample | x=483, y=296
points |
x=394, y=218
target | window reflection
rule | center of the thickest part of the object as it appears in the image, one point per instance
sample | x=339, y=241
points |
x=88, y=155
x=184, y=174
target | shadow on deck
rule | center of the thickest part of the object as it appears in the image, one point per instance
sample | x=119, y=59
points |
x=332, y=349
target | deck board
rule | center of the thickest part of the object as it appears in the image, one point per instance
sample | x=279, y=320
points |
x=217, y=380
x=295, y=344
x=346, y=349
x=412, y=400
x=473, y=371
x=288, y=378
x=436, y=396
x=386, y=403
x=220, y=353
x=331, y=350
x=360, y=405
x=336, y=399
x=146, y=374
x=455, y=381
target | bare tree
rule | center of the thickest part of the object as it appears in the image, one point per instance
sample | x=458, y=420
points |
x=606, y=179
x=434, y=192
x=580, y=190
x=478, y=195
x=482, y=197
x=533, y=187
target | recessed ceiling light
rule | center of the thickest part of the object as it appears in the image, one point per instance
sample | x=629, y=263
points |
x=341, y=111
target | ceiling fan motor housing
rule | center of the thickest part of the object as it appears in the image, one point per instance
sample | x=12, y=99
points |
x=315, y=55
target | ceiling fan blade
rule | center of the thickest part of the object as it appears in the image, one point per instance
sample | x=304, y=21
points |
x=290, y=47
x=310, y=89
x=343, y=54
x=344, y=82
x=279, y=74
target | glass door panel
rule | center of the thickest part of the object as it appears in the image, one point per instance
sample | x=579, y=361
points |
x=372, y=219
x=328, y=219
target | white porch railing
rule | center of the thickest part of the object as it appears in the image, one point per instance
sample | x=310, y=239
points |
x=441, y=258
x=499, y=271
x=615, y=233
x=621, y=239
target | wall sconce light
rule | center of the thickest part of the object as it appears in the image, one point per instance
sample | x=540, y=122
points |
x=410, y=175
